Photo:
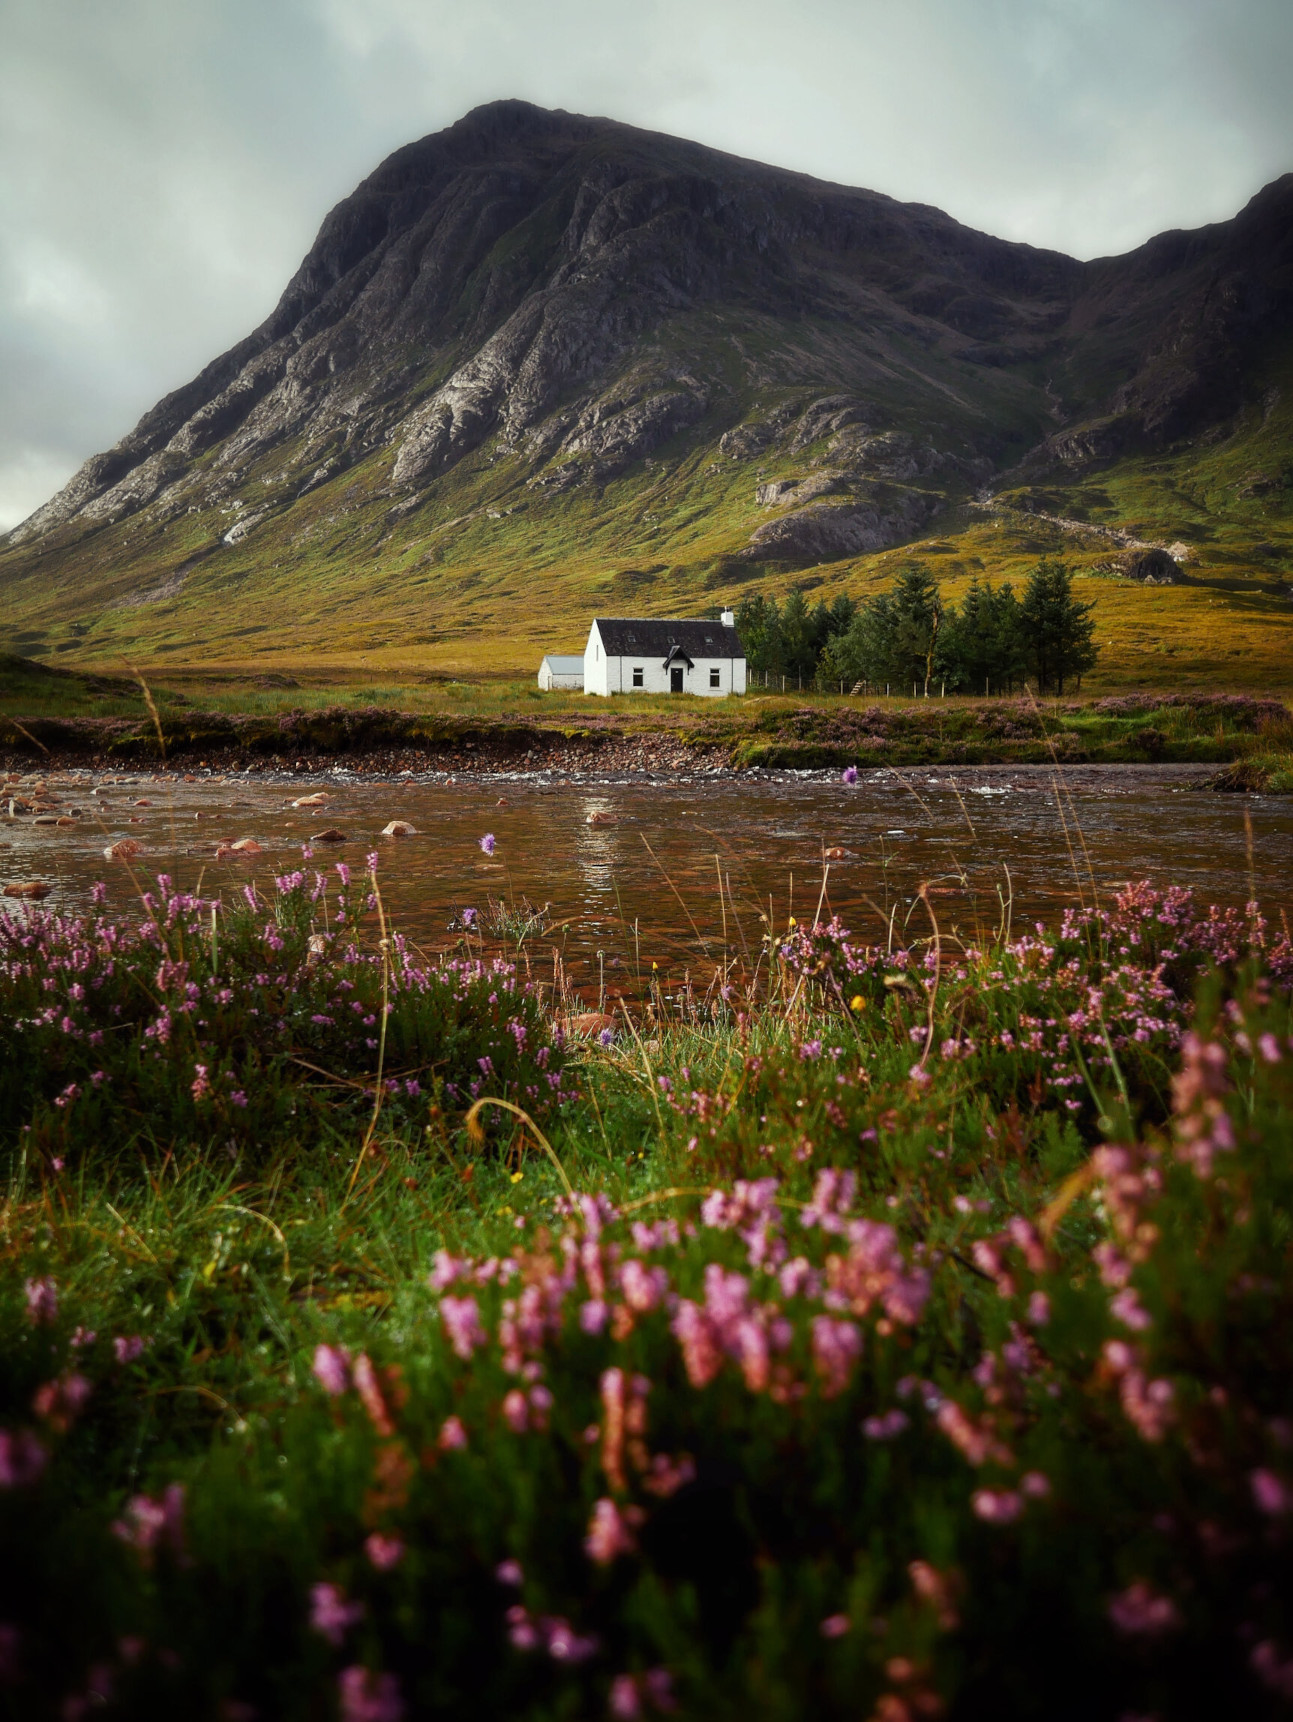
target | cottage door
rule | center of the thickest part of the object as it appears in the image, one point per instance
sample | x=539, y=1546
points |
x=675, y=678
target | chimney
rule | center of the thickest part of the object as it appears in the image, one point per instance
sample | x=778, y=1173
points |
x=728, y=618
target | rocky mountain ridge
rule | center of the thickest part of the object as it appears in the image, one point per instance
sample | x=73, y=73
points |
x=562, y=303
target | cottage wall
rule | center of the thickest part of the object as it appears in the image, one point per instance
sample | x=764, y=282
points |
x=607, y=676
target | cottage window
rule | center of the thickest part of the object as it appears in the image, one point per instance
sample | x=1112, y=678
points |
x=637, y=675
x=715, y=678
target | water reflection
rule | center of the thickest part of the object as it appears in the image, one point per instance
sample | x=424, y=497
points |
x=685, y=865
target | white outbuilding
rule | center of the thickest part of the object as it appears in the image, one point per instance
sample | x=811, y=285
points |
x=629, y=656
x=557, y=671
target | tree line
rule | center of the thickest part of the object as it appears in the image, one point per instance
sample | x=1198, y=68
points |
x=908, y=640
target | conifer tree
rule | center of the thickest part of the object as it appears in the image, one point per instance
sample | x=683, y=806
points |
x=983, y=648
x=758, y=622
x=894, y=639
x=1058, y=628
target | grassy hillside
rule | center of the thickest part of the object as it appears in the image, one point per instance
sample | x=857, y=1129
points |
x=491, y=569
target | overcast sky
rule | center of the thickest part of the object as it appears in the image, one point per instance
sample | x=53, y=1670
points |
x=164, y=164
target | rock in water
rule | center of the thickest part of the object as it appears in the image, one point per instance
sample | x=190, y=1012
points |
x=398, y=828
x=331, y=835
x=123, y=850
x=319, y=797
x=34, y=888
x=589, y=1022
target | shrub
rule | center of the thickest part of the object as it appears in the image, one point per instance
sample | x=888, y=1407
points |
x=238, y=1023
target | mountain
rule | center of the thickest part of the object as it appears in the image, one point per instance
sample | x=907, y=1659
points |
x=538, y=360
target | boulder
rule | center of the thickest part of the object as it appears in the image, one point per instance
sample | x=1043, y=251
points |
x=1153, y=567
x=589, y=1022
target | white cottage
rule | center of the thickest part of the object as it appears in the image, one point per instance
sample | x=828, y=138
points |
x=626, y=656
x=561, y=671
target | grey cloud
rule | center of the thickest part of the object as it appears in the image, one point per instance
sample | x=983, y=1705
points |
x=165, y=163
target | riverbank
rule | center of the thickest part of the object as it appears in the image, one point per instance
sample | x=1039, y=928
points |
x=759, y=732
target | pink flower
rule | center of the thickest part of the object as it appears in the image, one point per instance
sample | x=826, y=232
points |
x=608, y=1534
x=564, y=1643
x=330, y=1614
x=886, y=1426
x=461, y=1317
x=126, y=1348
x=1271, y=1493
x=1035, y=1484
x=445, y=1270
x=835, y=1626
x=487, y=843
x=148, y=1522
x=453, y=1437
x=1127, y=1309
x=836, y=1347
x=516, y=1413
x=541, y=1403
x=369, y=1391
x=1274, y=1673
x=510, y=1573
x=332, y=1367
x=624, y=1702
x=59, y=1402
x=592, y=1315
x=384, y=1552
x=629, y=1691
x=997, y=1506
x=1039, y=1309
x=643, y=1287
x=42, y=1301
x=1140, y=1611
x=368, y=1697
x=976, y=1440
x=701, y=1354
x=22, y=1458
x=1150, y=1405
x=1269, y=1048
x=201, y=1085
x=521, y=1630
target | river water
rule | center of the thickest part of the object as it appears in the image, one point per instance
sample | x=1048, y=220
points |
x=690, y=865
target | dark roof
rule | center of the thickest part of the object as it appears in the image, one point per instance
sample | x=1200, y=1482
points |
x=653, y=637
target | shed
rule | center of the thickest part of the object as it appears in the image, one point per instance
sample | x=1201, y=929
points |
x=627, y=655
x=558, y=671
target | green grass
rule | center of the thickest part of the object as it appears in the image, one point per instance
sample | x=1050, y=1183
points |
x=426, y=721
x=978, y=1547
x=333, y=584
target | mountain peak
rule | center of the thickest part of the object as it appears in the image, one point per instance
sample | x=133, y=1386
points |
x=538, y=305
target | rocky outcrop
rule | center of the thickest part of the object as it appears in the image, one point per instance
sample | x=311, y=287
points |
x=1154, y=567
x=825, y=531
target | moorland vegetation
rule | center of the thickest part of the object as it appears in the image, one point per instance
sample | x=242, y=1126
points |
x=887, y=1324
